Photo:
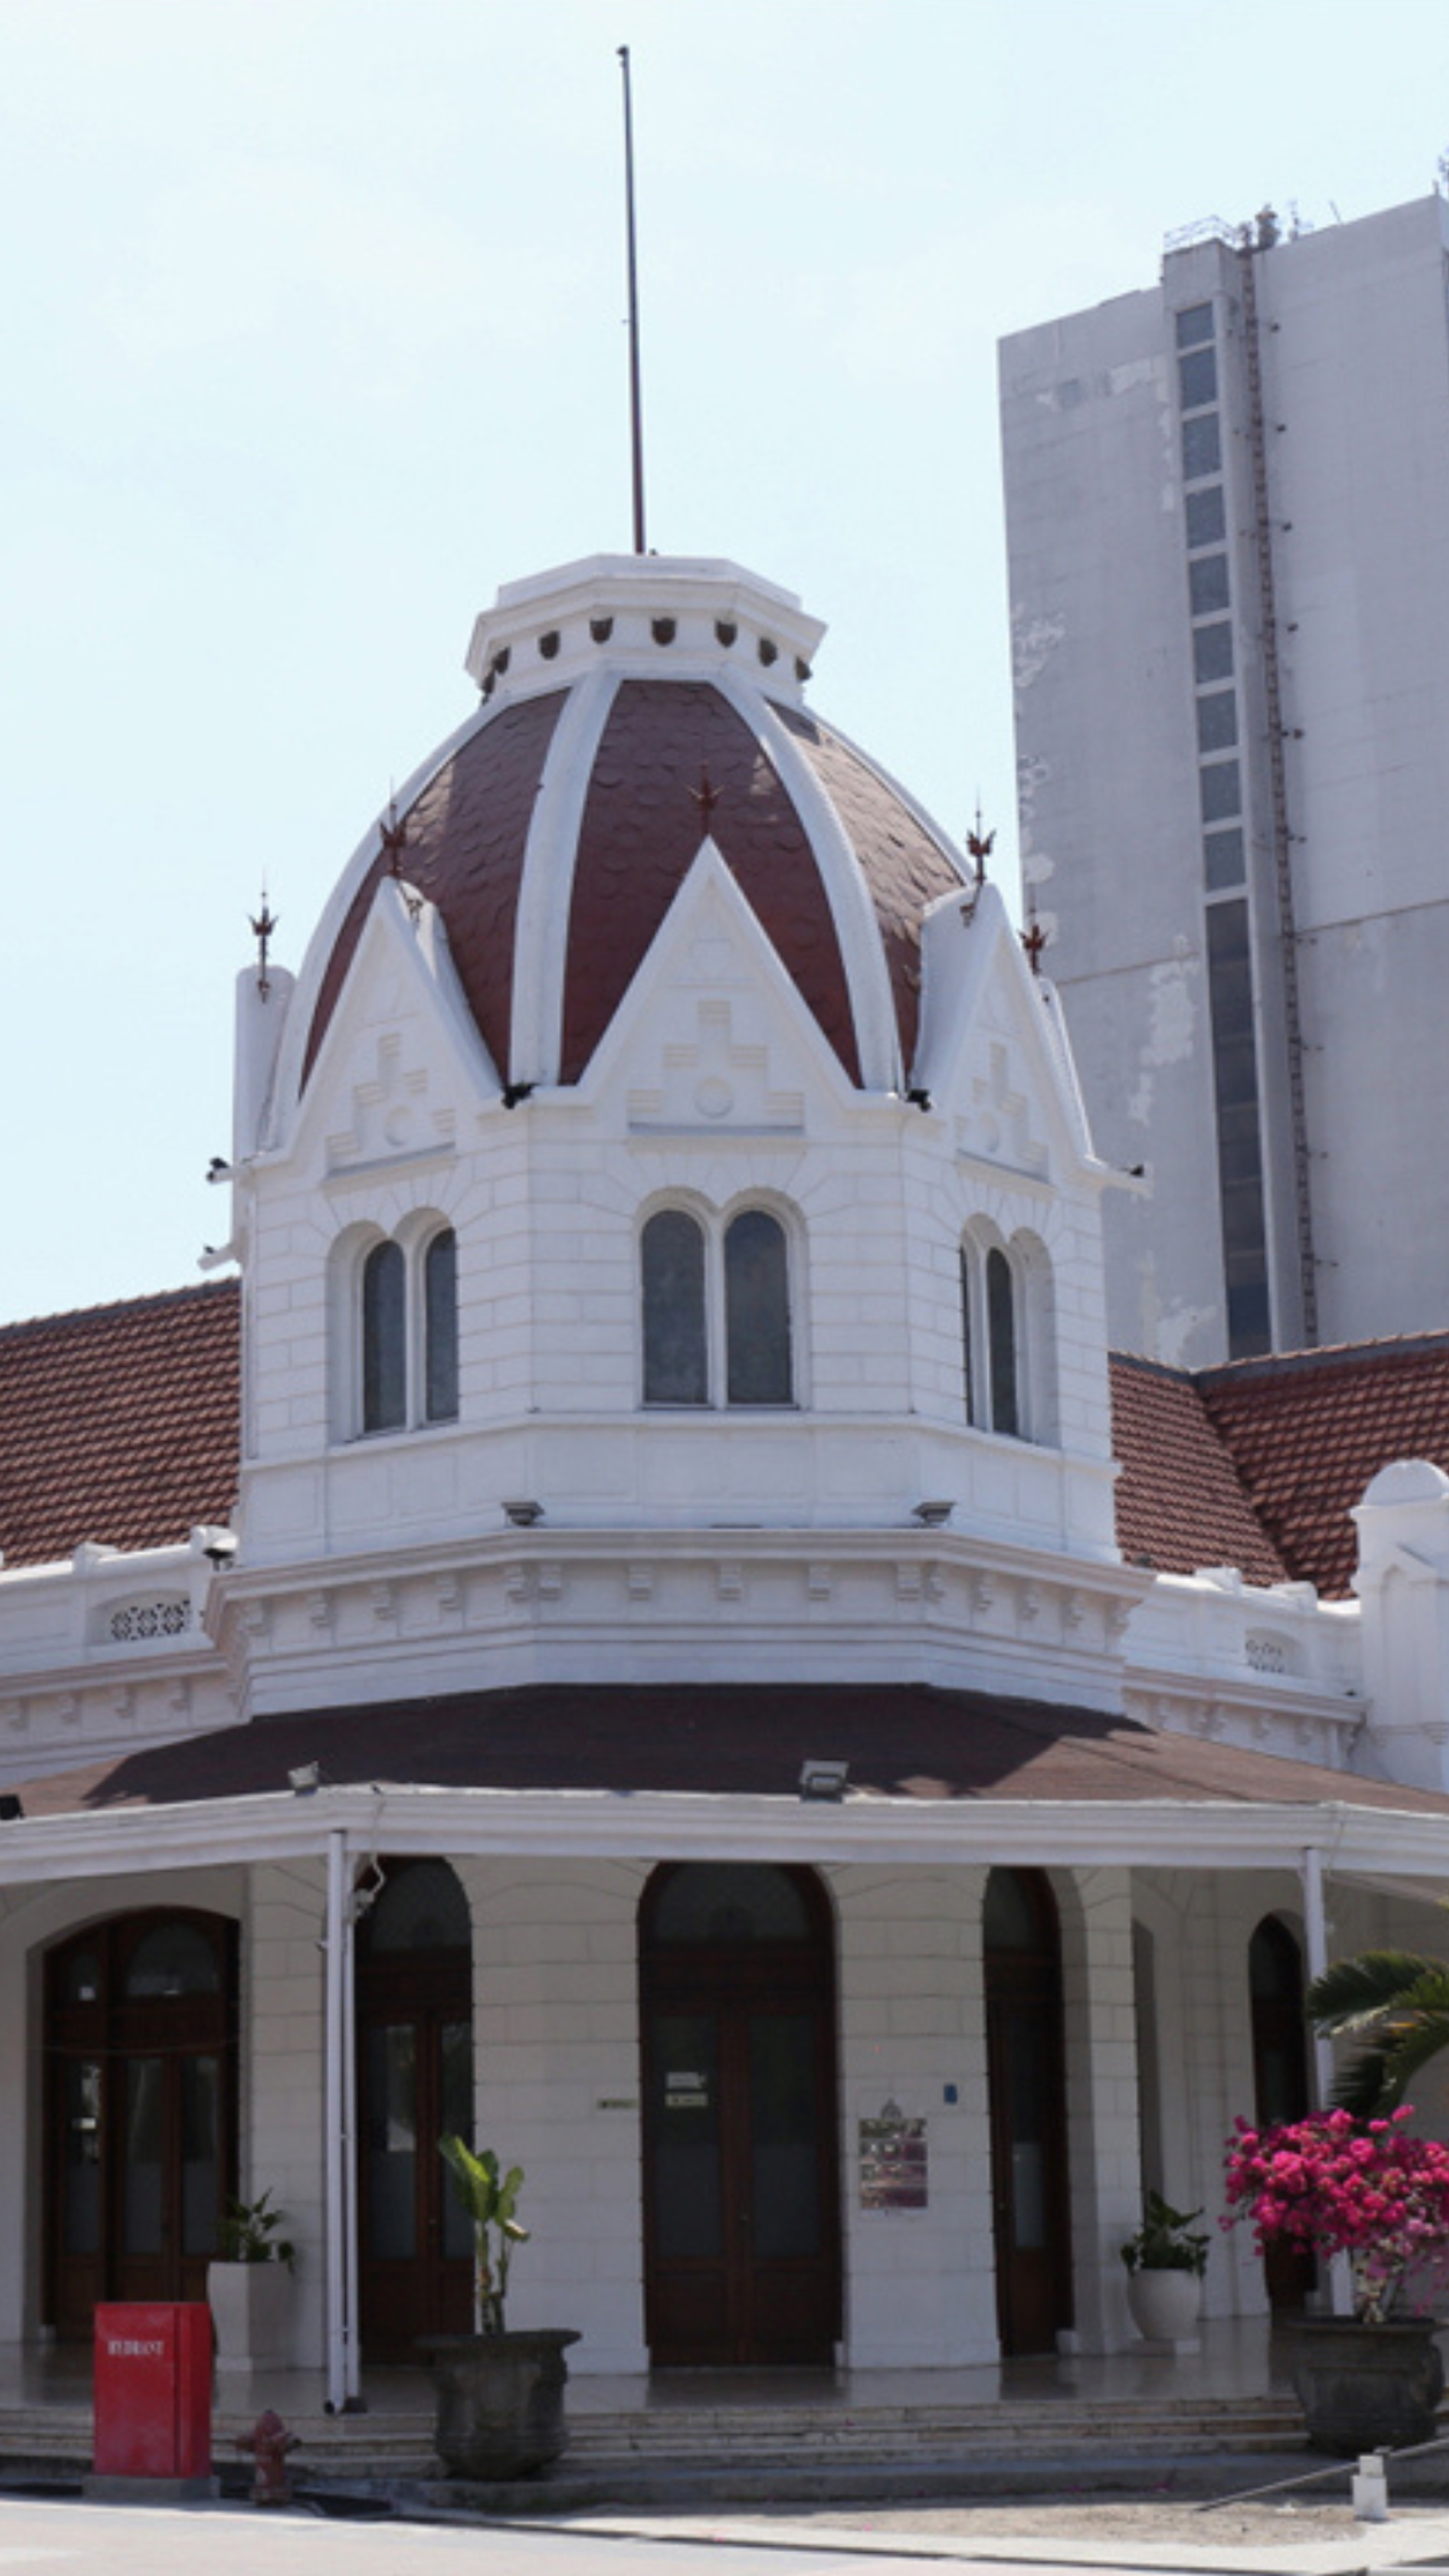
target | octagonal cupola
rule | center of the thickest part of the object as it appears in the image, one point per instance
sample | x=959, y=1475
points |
x=633, y=708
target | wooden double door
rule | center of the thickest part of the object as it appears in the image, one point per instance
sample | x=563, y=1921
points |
x=742, y=2220
x=415, y=2087
x=1026, y=2075
x=140, y=2111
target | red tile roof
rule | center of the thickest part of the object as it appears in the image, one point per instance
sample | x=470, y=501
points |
x=1180, y=1504
x=1306, y=1435
x=902, y=1741
x=119, y=1424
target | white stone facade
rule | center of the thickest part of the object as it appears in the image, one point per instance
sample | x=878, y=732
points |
x=556, y=1530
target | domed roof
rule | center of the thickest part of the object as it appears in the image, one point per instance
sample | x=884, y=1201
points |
x=632, y=706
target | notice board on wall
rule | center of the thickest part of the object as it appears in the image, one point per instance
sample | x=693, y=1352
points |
x=893, y=2171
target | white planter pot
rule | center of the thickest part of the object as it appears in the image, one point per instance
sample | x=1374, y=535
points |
x=1164, y=2305
x=251, y=2307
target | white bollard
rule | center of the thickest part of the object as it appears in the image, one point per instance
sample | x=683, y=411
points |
x=1371, y=2489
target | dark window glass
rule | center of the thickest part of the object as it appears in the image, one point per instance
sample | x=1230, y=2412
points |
x=1001, y=1325
x=672, y=1263
x=1010, y=1918
x=1230, y=1001
x=440, y=1327
x=173, y=1959
x=200, y=2153
x=390, y=2142
x=685, y=2125
x=1206, y=524
x=1202, y=447
x=81, y=2179
x=384, y=1349
x=966, y=1335
x=1207, y=585
x=1194, y=325
x=784, y=2123
x=1222, y=854
x=142, y=2209
x=422, y=1907
x=1217, y=720
x=757, y=1310
x=1212, y=652
x=1220, y=791
x=1197, y=379
x=729, y=1901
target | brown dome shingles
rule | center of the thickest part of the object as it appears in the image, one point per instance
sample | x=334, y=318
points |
x=642, y=826
x=119, y=1424
x=905, y=868
x=464, y=849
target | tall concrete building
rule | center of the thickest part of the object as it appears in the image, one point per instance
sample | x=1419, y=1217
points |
x=1228, y=530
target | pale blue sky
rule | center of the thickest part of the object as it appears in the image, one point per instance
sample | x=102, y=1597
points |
x=312, y=333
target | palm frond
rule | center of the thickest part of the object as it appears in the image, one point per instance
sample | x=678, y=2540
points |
x=1356, y=1993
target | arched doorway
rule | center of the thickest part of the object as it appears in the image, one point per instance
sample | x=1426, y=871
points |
x=140, y=2110
x=741, y=2186
x=1280, y=2080
x=415, y=2086
x=1026, y=2075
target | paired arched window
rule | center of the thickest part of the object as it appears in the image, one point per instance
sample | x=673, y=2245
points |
x=1006, y=1336
x=408, y=1336
x=716, y=1309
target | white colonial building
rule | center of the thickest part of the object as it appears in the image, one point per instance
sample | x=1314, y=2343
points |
x=688, y=1660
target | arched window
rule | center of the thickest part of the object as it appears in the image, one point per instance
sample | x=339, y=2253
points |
x=716, y=1309
x=407, y=1334
x=1006, y=1336
x=440, y=1328
x=384, y=1339
x=1001, y=1332
x=757, y=1310
x=676, y=1363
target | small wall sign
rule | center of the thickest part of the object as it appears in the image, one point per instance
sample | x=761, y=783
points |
x=893, y=2161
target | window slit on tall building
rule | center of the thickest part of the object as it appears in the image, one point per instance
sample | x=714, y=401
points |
x=1222, y=805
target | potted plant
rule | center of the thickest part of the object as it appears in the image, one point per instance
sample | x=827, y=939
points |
x=500, y=2393
x=1365, y=2188
x=248, y=2287
x=1165, y=2262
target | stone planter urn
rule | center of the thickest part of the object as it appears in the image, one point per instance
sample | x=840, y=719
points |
x=1164, y=2304
x=1365, y=2387
x=500, y=2400
x=251, y=2308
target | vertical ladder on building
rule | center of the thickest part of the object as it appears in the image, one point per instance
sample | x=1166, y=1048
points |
x=1282, y=837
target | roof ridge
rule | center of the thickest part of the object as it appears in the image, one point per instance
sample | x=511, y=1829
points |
x=156, y=1297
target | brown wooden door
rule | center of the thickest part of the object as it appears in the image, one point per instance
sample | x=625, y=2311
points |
x=140, y=2111
x=415, y=2086
x=742, y=2224
x=1026, y=2076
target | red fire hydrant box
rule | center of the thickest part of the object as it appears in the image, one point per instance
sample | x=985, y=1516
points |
x=153, y=2390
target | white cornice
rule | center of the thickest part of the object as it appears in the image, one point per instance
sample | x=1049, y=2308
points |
x=1390, y=1844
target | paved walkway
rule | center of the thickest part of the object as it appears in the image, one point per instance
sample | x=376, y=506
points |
x=131, y=2540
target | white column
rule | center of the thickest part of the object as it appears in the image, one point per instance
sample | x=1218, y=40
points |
x=1315, y=1940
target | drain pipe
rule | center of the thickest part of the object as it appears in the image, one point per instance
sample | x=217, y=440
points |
x=352, y=2340
x=336, y=2157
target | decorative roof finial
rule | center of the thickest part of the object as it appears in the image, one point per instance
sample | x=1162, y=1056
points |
x=706, y=795
x=263, y=924
x=394, y=836
x=979, y=846
x=1034, y=940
